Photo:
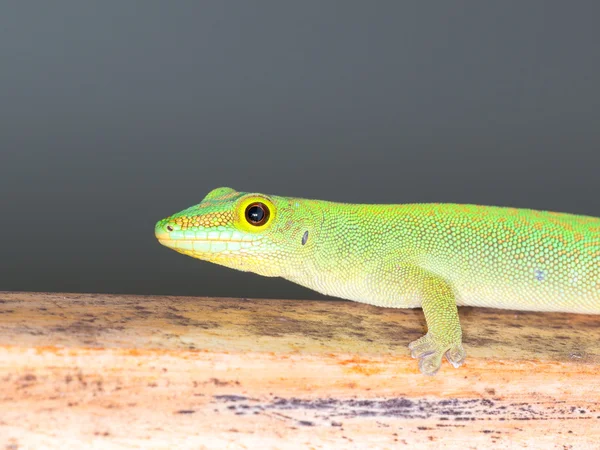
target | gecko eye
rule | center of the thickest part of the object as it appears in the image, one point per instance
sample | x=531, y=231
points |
x=257, y=214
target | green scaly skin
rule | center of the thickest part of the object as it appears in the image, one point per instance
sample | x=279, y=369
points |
x=435, y=256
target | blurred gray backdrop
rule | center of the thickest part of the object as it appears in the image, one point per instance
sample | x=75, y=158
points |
x=114, y=114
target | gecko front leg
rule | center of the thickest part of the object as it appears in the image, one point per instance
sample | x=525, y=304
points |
x=410, y=283
x=444, y=335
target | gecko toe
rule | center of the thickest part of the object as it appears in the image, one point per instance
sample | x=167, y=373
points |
x=430, y=363
x=420, y=348
x=456, y=355
x=430, y=352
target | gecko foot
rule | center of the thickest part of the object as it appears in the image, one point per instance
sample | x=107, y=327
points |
x=430, y=351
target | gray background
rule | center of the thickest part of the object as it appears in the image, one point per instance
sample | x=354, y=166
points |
x=115, y=114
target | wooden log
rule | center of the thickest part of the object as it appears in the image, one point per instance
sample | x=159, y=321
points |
x=113, y=371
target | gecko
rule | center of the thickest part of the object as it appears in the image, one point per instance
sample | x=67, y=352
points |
x=436, y=256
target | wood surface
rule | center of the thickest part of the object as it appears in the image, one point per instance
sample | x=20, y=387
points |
x=112, y=371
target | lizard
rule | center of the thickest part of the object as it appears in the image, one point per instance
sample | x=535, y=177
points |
x=436, y=256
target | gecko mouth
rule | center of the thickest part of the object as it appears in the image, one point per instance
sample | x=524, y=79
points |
x=206, y=245
x=204, y=240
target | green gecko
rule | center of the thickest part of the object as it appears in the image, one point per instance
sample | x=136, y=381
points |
x=434, y=256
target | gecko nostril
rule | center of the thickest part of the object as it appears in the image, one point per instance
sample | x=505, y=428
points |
x=169, y=228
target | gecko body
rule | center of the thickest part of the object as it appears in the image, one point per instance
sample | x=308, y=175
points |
x=433, y=256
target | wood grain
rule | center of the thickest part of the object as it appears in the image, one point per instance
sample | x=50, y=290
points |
x=113, y=371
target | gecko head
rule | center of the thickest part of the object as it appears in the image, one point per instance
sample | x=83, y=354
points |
x=268, y=235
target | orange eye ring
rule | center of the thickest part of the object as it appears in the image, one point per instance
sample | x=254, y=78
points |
x=257, y=214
